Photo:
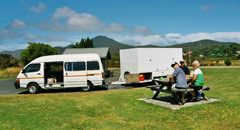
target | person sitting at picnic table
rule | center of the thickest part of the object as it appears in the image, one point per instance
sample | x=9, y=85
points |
x=197, y=80
x=184, y=67
x=180, y=81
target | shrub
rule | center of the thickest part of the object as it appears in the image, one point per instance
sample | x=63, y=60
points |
x=10, y=72
x=7, y=60
x=227, y=62
x=238, y=57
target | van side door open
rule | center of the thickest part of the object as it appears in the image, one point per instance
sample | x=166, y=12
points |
x=33, y=73
x=75, y=74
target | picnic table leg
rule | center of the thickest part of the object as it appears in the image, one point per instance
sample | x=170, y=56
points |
x=155, y=95
x=175, y=97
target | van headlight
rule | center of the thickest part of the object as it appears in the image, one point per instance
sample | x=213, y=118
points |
x=17, y=80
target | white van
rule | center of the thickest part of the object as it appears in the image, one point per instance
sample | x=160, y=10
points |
x=62, y=71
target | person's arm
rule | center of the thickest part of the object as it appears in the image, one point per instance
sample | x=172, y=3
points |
x=193, y=79
x=170, y=78
x=174, y=74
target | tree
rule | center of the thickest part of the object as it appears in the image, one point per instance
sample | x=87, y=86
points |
x=84, y=43
x=227, y=62
x=234, y=47
x=35, y=50
x=7, y=60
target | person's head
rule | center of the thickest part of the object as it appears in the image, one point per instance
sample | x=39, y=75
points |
x=175, y=65
x=195, y=64
x=182, y=63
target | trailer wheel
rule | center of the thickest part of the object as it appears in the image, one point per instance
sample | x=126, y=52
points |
x=89, y=87
x=33, y=88
x=126, y=73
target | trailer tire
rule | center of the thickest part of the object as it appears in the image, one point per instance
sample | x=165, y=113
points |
x=126, y=73
x=89, y=87
x=33, y=88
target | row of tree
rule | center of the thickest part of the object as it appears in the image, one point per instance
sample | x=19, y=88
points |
x=219, y=51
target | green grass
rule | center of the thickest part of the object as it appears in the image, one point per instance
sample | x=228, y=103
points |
x=10, y=77
x=119, y=109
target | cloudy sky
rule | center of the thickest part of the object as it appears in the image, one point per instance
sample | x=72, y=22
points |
x=134, y=22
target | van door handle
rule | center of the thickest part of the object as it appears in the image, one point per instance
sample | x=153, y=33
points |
x=38, y=73
x=66, y=74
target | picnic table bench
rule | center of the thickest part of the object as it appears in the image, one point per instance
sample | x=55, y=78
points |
x=166, y=87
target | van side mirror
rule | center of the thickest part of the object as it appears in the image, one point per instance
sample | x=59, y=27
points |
x=23, y=71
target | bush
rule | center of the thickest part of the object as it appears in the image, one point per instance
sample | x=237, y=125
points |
x=7, y=60
x=10, y=72
x=227, y=62
x=238, y=57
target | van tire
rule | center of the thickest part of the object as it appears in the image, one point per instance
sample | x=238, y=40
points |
x=33, y=88
x=89, y=87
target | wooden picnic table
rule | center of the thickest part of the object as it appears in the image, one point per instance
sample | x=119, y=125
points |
x=166, y=87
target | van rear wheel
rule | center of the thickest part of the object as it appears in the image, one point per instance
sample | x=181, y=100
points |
x=89, y=87
x=33, y=88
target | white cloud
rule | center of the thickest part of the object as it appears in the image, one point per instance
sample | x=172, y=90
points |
x=114, y=27
x=2, y=48
x=29, y=36
x=142, y=30
x=39, y=8
x=84, y=22
x=16, y=25
x=176, y=38
x=66, y=19
x=5, y=34
x=63, y=12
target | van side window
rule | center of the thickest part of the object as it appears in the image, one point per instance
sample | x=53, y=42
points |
x=32, y=68
x=75, y=66
x=92, y=65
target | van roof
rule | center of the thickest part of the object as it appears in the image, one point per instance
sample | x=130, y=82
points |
x=68, y=57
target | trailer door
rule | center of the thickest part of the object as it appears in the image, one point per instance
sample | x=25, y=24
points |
x=75, y=74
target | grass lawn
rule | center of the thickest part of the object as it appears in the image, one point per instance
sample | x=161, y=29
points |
x=119, y=109
x=10, y=77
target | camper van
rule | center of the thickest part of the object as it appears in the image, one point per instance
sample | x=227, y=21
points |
x=62, y=71
x=147, y=64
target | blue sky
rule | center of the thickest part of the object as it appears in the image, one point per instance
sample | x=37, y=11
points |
x=134, y=22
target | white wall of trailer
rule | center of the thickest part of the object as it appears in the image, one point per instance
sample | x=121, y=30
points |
x=143, y=60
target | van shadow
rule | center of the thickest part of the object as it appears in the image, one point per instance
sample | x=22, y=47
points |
x=64, y=90
x=110, y=87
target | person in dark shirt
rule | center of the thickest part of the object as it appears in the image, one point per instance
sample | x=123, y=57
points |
x=184, y=68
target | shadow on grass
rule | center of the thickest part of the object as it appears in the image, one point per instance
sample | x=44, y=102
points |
x=110, y=87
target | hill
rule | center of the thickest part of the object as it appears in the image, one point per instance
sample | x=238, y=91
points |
x=115, y=46
x=197, y=44
x=15, y=53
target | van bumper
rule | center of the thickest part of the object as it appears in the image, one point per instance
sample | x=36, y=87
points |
x=17, y=85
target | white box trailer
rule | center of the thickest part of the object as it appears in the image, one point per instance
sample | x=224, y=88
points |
x=149, y=63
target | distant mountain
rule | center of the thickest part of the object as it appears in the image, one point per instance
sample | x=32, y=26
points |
x=197, y=44
x=114, y=46
x=15, y=53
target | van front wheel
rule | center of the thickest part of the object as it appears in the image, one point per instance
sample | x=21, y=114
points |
x=89, y=87
x=33, y=88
